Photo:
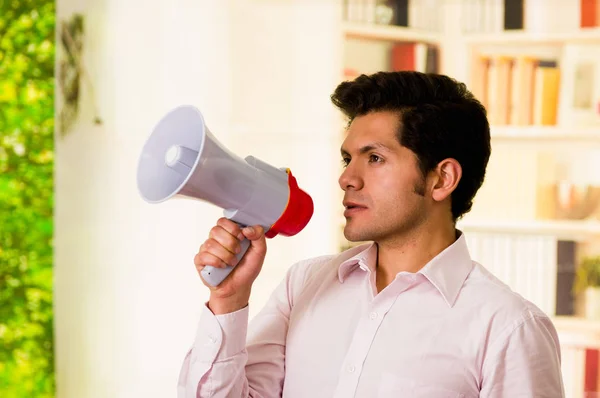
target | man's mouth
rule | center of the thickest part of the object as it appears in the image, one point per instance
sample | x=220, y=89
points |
x=352, y=208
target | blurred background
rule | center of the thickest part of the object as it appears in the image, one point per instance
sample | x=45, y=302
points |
x=98, y=293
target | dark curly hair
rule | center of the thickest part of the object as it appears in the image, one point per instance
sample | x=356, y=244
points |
x=439, y=119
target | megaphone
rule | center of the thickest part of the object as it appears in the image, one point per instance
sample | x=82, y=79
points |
x=182, y=158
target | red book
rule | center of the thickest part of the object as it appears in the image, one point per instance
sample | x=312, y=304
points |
x=403, y=56
x=591, y=370
x=589, y=9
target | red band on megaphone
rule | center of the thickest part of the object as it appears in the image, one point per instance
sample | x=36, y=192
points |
x=297, y=214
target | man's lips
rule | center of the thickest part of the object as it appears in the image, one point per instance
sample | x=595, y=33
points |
x=353, y=208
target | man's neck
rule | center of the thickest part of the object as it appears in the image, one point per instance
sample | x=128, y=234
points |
x=412, y=252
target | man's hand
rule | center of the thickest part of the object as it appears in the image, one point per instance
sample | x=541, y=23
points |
x=219, y=250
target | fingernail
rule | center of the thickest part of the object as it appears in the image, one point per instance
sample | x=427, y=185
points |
x=249, y=230
x=238, y=249
x=240, y=236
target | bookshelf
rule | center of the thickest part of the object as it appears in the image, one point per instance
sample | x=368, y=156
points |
x=556, y=142
x=458, y=48
x=367, y=31
x=524, y=38
x=561, y=229
x=545, y=133
x=545, y=137
x=578, y=332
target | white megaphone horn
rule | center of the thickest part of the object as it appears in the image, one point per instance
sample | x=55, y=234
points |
x=182, y=158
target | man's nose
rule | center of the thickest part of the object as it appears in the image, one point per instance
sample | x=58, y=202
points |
x=350, y=179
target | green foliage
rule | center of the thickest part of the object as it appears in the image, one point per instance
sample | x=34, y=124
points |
x=588, y=274
x=26, y=185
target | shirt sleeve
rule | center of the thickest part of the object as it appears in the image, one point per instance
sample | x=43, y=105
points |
x=526, y=363
x=231, y=359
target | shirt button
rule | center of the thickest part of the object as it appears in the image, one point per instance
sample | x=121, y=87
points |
x=373, y=315
x=212, y=338
x=351, y=369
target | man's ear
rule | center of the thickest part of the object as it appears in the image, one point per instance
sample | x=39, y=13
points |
x=447, y=175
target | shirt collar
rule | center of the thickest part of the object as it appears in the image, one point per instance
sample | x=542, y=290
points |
x=447, y=271
x=365, y=258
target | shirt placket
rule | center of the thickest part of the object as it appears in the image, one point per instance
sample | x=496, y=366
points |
x=363, y=337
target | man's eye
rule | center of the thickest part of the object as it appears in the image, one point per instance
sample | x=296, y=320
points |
x=345, y=161
x=374, y=159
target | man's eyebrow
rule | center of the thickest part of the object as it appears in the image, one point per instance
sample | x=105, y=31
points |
x=367, y=148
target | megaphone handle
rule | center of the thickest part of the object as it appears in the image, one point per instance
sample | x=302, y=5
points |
x=214, y=276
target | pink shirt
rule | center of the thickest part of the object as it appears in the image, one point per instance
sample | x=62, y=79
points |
x=450, y=330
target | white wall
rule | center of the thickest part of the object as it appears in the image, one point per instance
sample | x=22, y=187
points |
x=287, y=57
x=127, y=296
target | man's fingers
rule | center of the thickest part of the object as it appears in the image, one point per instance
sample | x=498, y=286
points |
x=204, y=258
x=256, y=234
x=231, y=227
x=225, y=239
x=253, y=232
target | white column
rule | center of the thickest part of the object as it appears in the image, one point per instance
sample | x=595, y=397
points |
x=127, y=296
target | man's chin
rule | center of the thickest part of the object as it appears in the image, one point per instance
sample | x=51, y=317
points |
x=354, y=236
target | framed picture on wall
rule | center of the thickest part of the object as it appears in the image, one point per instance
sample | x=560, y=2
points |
x=580, y=89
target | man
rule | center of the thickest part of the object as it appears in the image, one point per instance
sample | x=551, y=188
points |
x=409, y=315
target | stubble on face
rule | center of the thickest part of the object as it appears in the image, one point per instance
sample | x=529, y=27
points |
x=394, y=222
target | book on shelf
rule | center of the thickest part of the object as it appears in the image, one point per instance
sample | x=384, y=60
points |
x=513, y=14
x=399, y=56
x=536, y=16
x=592, y=375
x=526, y=90
x=416, y=14
x=590, y=13
x=482, y=17
x=566, y=259
x=491, y=16
x=418, y=57
x=521, y=100
x=401, y=13
x=546, y=86
x=573, y=370
x=517, y=90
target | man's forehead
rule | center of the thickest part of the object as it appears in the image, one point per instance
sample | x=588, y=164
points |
x=363, y=143
x=379, y=136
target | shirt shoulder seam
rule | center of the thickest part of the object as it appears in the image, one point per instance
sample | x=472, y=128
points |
x=505, y=336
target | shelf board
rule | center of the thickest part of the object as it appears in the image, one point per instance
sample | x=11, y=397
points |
x=577, y=332
x=545, y=134
x=510, y=38
x=578, y=230
x=389, y=33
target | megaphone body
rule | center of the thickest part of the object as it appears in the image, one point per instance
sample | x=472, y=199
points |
x=182, y=158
